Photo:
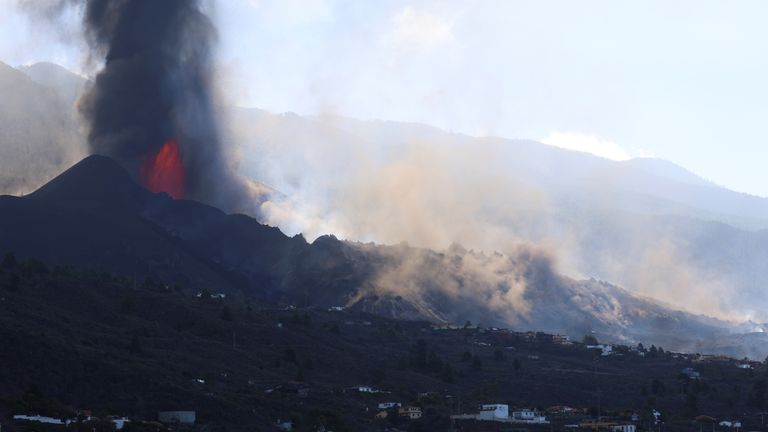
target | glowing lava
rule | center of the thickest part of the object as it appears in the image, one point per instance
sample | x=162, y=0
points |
x=164, y=171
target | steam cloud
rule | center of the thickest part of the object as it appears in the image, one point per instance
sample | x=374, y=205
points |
x=387, y=183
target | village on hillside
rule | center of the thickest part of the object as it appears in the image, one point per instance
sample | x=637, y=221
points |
x=241, y=365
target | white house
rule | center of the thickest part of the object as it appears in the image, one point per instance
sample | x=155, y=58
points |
x=39, y=419
x=528, y=416
x=656, y=416
x=120, y=422
x=605, y=350
x=365, y=389
x=744, y=366
x=494, y=412
x=624, y=428
x=500, y=413
x=412, y=412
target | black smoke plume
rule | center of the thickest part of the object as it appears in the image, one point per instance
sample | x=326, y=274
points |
x=156, y=85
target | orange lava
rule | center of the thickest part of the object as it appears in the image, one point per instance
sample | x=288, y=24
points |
x=164, y=171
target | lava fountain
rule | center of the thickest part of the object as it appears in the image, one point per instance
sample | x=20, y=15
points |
x=164, y=171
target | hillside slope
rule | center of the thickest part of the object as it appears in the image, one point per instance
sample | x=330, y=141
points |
x=94, y=215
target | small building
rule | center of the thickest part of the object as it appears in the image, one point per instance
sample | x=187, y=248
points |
x=389, y=405
x=656, y=416
x=39, y=419
x=500, y=413
x=494, y=412
x=412, y=412
x=744, y=366
x=528, y=416
x=599, y=425
x=561, y=339
x=561, y=410
x=605, y=350
x=120, y=422
x=364, y=389
x=176, y=417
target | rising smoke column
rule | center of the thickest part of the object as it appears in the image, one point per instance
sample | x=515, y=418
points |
x=151, y=106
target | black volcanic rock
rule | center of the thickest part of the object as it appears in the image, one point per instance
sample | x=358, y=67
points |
x=91, y=216
x=97, y=183
x=94, y=215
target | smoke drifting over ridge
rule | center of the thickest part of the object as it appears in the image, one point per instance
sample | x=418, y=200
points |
x=425, y=191
x=151, y=106
x=397, y=182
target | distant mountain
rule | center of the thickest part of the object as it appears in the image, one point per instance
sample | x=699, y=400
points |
x=648, y=225
x=39, y=130
x=666, y=170
x=94, y=215
x=67, y=85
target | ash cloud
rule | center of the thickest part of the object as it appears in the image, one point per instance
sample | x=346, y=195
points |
x=156, y=84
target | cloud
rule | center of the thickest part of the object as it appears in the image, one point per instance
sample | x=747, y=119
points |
x=414, y=28
x=588, y=144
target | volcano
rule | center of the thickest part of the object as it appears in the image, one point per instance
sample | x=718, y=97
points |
x=96, y=216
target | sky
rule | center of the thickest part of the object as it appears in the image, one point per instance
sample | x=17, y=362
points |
x=684, y=81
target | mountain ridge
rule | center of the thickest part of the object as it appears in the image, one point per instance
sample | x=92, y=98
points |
x=189, y=243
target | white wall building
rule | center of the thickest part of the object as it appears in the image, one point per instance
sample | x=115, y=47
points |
x=494, y=412
x=39, y=419
x=412, y=412
x=120, y=422
x=528, y=416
